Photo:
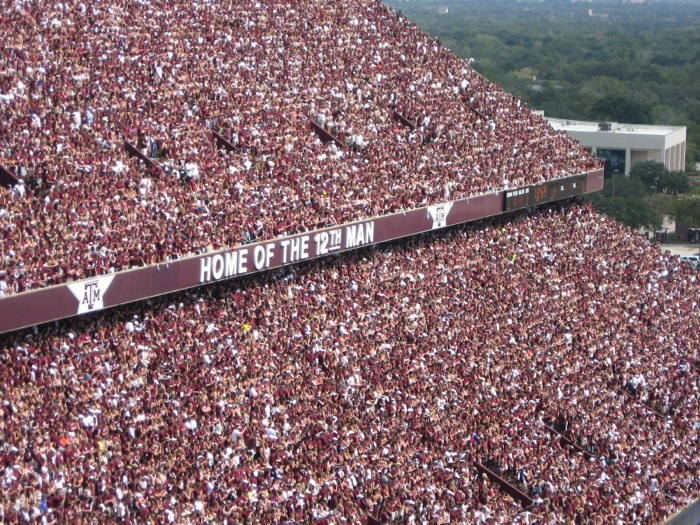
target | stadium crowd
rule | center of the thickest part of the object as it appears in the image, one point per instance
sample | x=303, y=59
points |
x=372, y=384
x=78, y=79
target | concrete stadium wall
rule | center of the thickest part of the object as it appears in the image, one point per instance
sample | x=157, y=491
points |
x=688, y=516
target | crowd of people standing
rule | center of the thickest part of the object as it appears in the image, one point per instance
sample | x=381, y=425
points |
x=556, y=348
x=413, y=124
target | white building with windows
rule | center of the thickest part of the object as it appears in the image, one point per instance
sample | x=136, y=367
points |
x=623, y=145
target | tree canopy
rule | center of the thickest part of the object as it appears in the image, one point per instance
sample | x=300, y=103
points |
x=674, y=183
x=625, y=198
x=650, y=173
x=620, y=61
x=618, y=108
x=635, y=212
x=655, y=177
x=687, y=208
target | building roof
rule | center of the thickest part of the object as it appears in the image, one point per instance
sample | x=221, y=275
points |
x=569, y=125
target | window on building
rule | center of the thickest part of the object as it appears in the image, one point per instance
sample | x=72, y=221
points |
x=614, y=161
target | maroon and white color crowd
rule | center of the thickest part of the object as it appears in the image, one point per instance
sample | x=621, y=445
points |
x=78, y=79
x=364, y=385
x=371, y=384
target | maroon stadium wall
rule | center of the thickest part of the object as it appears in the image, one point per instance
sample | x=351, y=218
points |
x=96, y=293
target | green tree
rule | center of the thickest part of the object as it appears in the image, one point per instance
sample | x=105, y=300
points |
x=614, y=186
x=623, y=186
x=674, y=183
x=635, y=212
x=663, y=203
x=621, y=109
x=625, y=199
x=687, y=208
x=650, y=172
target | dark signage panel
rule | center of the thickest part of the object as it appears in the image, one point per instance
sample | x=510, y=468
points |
x=549, y=191
x=517, y=198
x=559, y=189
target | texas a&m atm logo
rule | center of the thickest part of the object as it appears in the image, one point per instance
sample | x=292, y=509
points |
x=438, y=213
x=90, y=293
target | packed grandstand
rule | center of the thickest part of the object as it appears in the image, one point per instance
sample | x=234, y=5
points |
x=79, y=80
x=536, y=367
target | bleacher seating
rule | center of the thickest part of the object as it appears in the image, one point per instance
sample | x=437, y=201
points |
x=419, y=382
x=539, y=368
x=80, y=84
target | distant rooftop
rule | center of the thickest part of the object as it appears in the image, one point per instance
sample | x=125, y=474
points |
x=615, y=127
